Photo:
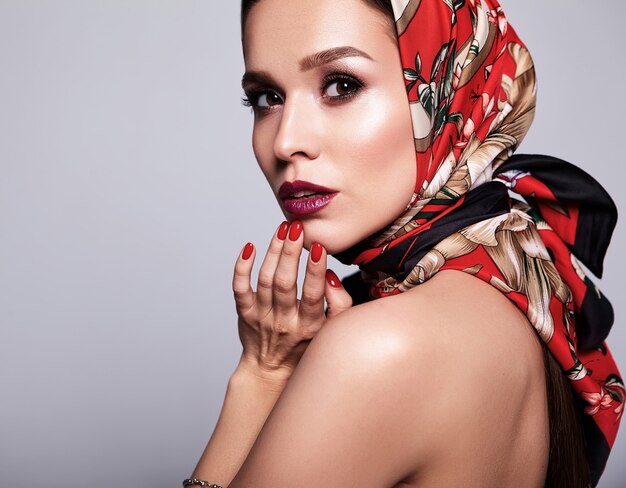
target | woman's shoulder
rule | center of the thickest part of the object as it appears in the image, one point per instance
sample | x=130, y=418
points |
x=467, y=370
x=398, y=389
x=469, y=338
x=463, y=368
x=451, y=317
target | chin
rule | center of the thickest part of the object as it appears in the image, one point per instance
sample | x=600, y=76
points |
x=329, y=236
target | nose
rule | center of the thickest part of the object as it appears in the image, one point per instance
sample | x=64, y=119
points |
x=298, y=135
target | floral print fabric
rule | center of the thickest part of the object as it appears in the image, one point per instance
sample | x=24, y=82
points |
x=471, y=89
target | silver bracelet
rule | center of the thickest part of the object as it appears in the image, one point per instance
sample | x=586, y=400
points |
x=195, y=482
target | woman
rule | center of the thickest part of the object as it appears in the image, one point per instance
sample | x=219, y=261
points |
x=441, y=384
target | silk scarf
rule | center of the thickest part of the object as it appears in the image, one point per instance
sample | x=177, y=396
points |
x=522, y=223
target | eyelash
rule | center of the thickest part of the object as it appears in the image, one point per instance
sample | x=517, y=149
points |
x=252, y=96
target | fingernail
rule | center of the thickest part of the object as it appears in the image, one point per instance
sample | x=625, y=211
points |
x=295, y=230
x=282, y=230
x=316, y=252
x=333, y=279
x=247, y=251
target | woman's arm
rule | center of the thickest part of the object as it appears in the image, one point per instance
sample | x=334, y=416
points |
x=340, y=420
x=275, y=328
x=249, y=400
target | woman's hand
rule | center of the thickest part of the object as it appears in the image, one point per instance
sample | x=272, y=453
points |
x=275, y=327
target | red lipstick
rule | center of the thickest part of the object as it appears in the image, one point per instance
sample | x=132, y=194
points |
x=302, y=198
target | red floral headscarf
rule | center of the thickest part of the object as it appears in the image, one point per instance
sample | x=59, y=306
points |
x=471, y=89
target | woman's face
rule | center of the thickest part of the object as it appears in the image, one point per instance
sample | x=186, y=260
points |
x=330, y=109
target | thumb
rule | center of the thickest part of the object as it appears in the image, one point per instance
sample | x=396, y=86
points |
x=337, y=297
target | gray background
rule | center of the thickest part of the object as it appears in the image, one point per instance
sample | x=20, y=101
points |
x=127, y=189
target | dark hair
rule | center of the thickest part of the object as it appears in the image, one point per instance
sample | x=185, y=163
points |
x=567, y=462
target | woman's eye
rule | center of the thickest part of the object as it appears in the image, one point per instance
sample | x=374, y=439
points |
x=268, y=99
x=261, y=101
x=341, y=88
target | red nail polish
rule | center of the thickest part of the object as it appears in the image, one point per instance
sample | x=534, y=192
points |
x=333, y=279
x=295, y=230
x=316, y=252
x=247, y=251
x=282, y=231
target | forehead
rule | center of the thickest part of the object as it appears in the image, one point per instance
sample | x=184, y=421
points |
x=291, y=29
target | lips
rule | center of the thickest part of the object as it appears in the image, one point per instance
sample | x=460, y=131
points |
x=301, y=198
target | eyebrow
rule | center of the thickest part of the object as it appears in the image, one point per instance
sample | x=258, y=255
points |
x=329, y=55
x=306, y=64
x=257, y=77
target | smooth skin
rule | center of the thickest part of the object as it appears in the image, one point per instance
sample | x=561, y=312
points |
x=440, y=386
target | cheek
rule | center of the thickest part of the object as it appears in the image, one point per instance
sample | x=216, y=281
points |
x=378, y=141
x=263, y=148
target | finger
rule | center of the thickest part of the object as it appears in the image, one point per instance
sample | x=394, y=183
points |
x=285, y=286
x=313, y=287
x=265, y=282
x=337, y=297
x=244, y=296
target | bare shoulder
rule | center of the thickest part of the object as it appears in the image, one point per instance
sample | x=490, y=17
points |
x=467, y=373
x=453, y=317
x=431, y=387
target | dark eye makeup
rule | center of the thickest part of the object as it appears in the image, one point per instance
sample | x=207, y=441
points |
x=337, y=87
x=260, y=99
